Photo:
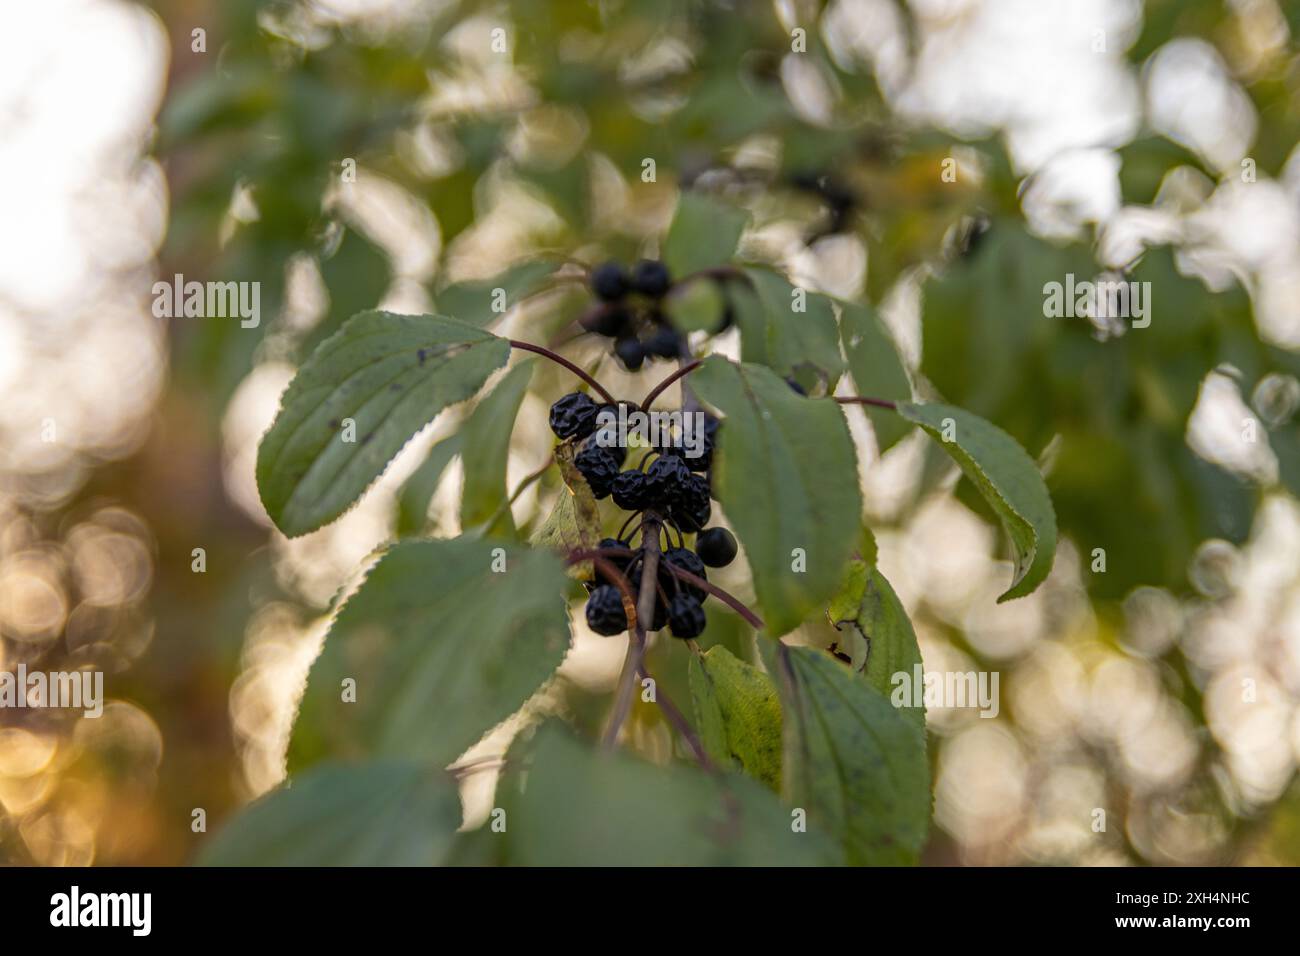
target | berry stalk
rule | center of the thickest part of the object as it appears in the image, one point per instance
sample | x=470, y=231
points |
x=561, y=360
x=645, y=610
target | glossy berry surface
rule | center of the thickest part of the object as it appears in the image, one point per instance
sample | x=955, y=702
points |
x=664, y=343
x=609, y=282
x=573, y=416
x=716, y=547
x=651, y=278
x=607, y=319
x=605, y=613
x=630, y=352
x=685, y=616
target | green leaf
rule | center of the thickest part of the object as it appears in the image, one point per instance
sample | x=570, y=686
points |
x=486, y=451
x=443, y=641
x=583, y=807
x=479, y=302
x=886, y=642
x=695, y=306
x=574, y=521
x=389, y=375
x=386, y=813
x=877, y=369
x=773, y=333
x=703, y=233
x=738, y=714
x=852, y=761
x=786, y=474
x=1007, y=478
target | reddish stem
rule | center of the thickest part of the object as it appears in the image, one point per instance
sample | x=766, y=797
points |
x=658, y=389
x=561, y=360
x=733, y=602
x=859, y=400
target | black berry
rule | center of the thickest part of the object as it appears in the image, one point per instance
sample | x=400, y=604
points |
x=619, y=561
x=605, y=614
x=685, y=616
x=692, y=510
x=688, y=561
x=716, y=547
x=609, y=282
x=651, y=278
x=665, y=343
x=630, y=490
x=666, y=481
x=574, y=415
x=599, y=466
x=606, y=319
x=630, y=352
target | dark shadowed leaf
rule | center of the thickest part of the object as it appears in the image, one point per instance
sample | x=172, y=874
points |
x=856, y=764
x=582, y=807
x=444, y=640
x=383, y=813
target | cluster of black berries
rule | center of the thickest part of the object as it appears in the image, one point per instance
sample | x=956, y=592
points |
x=629, y=312
x=671, y=495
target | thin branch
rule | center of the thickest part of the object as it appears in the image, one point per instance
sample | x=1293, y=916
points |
x=636, y=647
x=733, y=602
x=859, y=400
x=519, y=490
x=680, y=723
x=658, y=389
x=561, y=360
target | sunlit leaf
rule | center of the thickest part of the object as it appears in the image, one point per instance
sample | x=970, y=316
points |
x=1007, y=478
x=356, y=401
x=877, y=369
x=738, y=714
x=485, y=452
x=786, y=328
x=704, y=233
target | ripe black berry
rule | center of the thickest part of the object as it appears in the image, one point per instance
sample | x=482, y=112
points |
x=605, y=614
x=630, y=490
x=606, y=319
x=665, y=343
x=609, y=281
x=685, y=616
x=692, y=510
x=651, y=278
x=716, y=547
x=619, y=561
x=666, y=480
x=688, y=561
x=574, y=415
x=599, y=466
x=630, y=352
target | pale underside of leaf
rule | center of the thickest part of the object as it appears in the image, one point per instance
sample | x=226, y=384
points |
x=1007, y=478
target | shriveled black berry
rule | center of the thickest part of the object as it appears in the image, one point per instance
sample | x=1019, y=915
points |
x=607, y=318
x=599, y=466
x=609, y=282
x=666, y=479
x=692, y=510
x=619, y=561
x=630, y=352
x=688, y=561
x=685, y=616
x=630, y=490
x=605, y=614
x=716, y=547
x=651, y=278
x=574, y=415
x=664, y=343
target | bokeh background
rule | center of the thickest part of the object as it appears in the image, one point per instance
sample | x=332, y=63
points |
x=1165, y=690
